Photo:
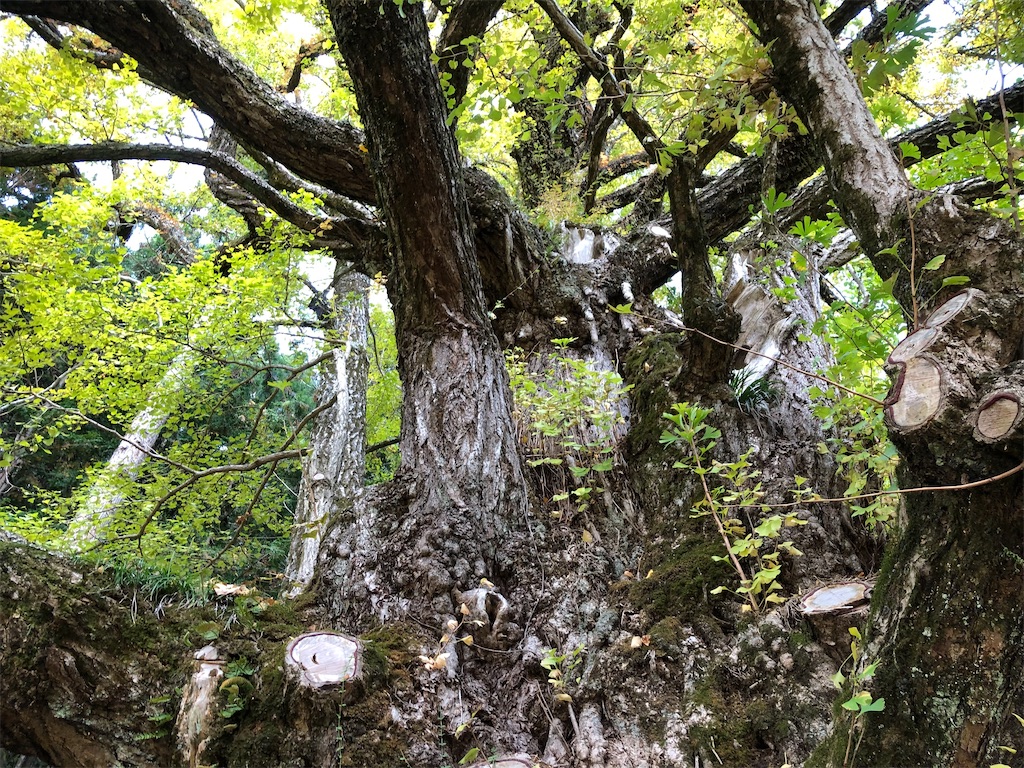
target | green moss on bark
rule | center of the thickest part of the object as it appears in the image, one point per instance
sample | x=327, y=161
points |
x=88, y=656
x=286, y=725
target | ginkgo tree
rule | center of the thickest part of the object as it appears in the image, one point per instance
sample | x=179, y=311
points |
x=623, y=192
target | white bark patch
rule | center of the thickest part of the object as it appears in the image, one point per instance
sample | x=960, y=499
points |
x=582, y=246
x=950, y=309
x=998, y=417
x=322, y=659
x=334, y=471
x=918, y=394
x=767, y=324
x=832, y=609
x=835, y=598
x=913, y=345
x=107, y=493
x=657, y=231
x=196, y=714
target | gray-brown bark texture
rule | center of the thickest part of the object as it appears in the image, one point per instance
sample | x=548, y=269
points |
x=465, y=483
x=333, y=474
x=467, y=616
x=947, y=624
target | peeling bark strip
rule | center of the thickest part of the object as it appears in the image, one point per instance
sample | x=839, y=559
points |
x=350, y=229
x=175, y=47
x=324, y=659
x=198, y=702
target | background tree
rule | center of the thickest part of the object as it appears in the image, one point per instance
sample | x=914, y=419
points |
x=557, y=573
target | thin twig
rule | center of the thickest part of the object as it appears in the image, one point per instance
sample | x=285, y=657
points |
x=383, y=444
x=244, y=517
x=721, y=528
x=273, y=458
x=56, y=383
x=783, y=363
x=103, y=428
x=894, y=492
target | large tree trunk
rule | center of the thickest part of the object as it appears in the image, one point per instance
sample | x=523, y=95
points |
x=334, y=472
x=461, y=470
x=106, y=492
x=662, y=676
x=596, y=639
x=947, y=625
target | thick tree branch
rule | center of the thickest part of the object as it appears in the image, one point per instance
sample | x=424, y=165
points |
x=349, y=230
x=600, y=71
x=164, y=223
x=600, y=122
x=875, y=29
x=846, y=12
x=872, y=33
x=689, y=237
x=725, y=202
x=283, y=179
x=308, y=51
x=869, y=182
x=649, y=187
x=177, y=51
x=598, y=175
x=225, y=190
x=466, y=19
x=926, y=137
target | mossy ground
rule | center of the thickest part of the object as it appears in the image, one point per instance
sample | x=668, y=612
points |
x=120, y=659
x=283, y=725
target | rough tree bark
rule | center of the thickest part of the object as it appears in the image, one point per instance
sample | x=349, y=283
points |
x=947, y=624
x=334, y=471
x=658, y=670
x=466, y=487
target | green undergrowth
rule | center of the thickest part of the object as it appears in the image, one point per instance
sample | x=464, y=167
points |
x=679, y=569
